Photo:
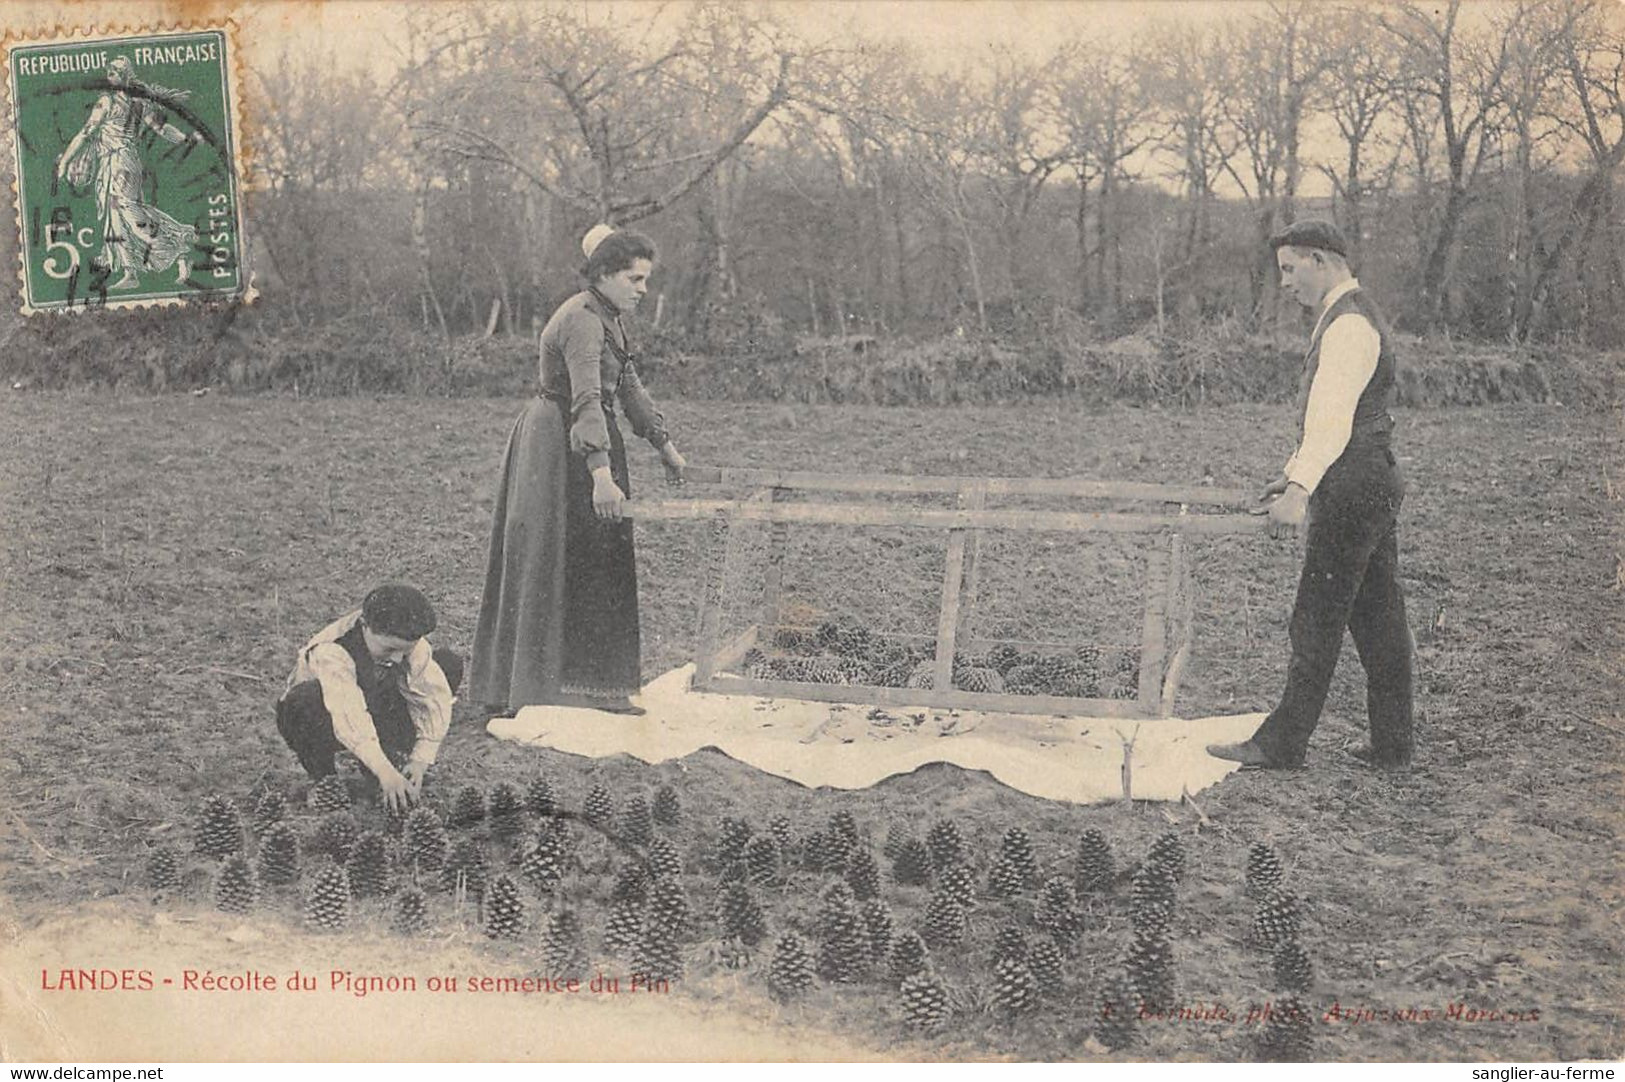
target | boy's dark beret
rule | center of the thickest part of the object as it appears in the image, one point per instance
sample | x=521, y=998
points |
x=398, y=610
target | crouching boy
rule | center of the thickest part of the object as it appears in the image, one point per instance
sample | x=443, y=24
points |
x=370, y=683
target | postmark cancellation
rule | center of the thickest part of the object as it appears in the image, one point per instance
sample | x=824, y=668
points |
x=128, y=167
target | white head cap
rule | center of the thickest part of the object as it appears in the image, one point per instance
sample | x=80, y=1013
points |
x=595, y=236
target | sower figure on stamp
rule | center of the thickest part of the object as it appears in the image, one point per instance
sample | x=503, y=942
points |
x=136, y=235
x=1345, y=483
x=371, y=683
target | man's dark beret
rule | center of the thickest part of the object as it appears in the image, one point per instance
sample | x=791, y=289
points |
x=1312, y=233
x=397, y=610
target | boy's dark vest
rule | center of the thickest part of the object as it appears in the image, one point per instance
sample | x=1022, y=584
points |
x=380, y=684
x=1373, y=423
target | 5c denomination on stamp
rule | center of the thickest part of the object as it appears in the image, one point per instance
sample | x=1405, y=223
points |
x=128, y=168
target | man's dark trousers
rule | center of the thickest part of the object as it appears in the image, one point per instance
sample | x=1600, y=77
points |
x=303, y=719
x=1350, y=579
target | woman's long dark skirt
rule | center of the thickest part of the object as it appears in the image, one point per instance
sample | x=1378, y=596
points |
x=560, y=610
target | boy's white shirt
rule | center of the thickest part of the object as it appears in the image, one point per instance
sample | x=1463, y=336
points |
x=428, y=695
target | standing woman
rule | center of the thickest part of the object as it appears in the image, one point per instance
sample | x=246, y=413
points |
x=559, y=621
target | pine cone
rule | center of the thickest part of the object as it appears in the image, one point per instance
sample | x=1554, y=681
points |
x=219, y=830
x=1010, y=943
x=1293, y=973
x=1288, y=1033
x=539, y=798
x=947, y=844
x=329, y=795
x=658, y=956
x=984, y=680
x=740, y=916
x=762, y=862
x=1005, y=879
x=335, y=836
x=908, y=956
x=624, y=928
x=959, y=883
x=1044, y=959
x=732, y=839
x=563, y=946
x=877, y=921
x=599, y=807
x=779, y=831
x=843, y=948
x=327, y=905
x=424, y=840
x=944, y=921
x=506, y=810
x=863, y=876
x=465, y=868
x=1263, y=871
x=1018, y=850
x=668, y=906
x=543, y=863
x=631, y=885
x=637, y=822
x=1058, y=912
x=1094, y=865
x=791, y=971
x=235, y=887
x=1170, y=850
x=913, y=864
x=369, y=866
x=664, y=859
x=667, y=811
x=271, y=809
x=838, y=850
x=924, y=1000
x=1151, y=900
x=411, y=912
x=504, y=909
x=1150, y=965
x=1117, y=1018
x=163, y=869
x=279, y=854
x=467, y=807
x=1014, y=989
x=1276, y=919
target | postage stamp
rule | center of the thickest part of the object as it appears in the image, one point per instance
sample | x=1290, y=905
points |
x=128, y=169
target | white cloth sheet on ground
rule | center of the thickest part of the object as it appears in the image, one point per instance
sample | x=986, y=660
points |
x=852, y=746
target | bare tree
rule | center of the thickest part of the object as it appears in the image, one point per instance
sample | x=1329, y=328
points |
x=1358, y=82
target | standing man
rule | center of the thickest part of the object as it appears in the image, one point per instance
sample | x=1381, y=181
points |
x=1344, y=482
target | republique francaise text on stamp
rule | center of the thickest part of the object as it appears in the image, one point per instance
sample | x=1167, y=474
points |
x=128, y=169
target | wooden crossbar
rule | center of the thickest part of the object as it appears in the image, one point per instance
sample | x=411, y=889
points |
x=808, y=481
x=943, y=519
x=1166, y=620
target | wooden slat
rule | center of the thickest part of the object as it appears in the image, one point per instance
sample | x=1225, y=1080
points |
x=942, y=673
x=737, y=647
x=705, y=659
x=809, y=481
x=1181, y=610
x=1154, y=632
x=973, y=500
x=921, y=698
x=778, y=543
x=929, y=518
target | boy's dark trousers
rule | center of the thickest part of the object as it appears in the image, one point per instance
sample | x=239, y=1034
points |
x=1350, y=579
x=303, y=719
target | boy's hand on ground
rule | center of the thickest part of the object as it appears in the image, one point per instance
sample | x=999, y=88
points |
x=397, y=790
x=415, y=770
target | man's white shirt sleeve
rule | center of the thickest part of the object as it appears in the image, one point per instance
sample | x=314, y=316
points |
x=1348, y=358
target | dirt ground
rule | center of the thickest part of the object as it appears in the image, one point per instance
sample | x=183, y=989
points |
x=162, y=558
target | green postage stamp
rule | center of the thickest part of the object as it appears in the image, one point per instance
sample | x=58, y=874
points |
x=127, y=168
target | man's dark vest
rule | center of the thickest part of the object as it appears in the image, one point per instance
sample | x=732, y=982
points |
x=1373, y=422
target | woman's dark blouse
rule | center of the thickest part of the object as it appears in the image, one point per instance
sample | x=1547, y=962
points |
x=579, y=364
